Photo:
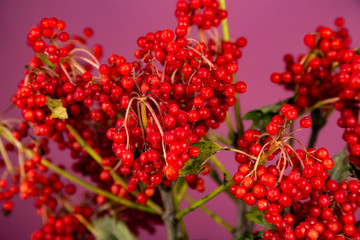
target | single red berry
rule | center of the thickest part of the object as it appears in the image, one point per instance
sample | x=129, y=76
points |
x=272, y=128
x=306, y=122
x=291, y=114
x=193, y=152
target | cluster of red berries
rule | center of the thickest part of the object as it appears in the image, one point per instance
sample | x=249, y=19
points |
x=320, y=208
x=91, y=109
x=328, y=214
x=331, y=70
x=140, y=116
x=66, y=227
x=21, y=180
x=58, y=80
x=47, y=190
x=197, y=182
x=6, y=194
x=191, y=94
x=202, y=13
x=313, y=74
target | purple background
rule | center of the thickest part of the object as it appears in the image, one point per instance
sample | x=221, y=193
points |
x=273, y=28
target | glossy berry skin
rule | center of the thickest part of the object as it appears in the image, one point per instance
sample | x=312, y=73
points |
x=306, y=122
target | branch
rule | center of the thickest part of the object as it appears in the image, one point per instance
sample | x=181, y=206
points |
x=204, y=200
x=171, y=222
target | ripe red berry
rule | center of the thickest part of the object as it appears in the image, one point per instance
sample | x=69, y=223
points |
x=284, y=109
x=272, y=128
x=306, y=122
x=291, y=114
x=171, y=172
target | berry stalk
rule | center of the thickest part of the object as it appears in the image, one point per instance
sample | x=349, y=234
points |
x=5, y=156
x=224, y=23
x=85, y=222
x=204, y=200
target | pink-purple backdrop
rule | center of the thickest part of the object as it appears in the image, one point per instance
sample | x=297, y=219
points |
x=273, y=28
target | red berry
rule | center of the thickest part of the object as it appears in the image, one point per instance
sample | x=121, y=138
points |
x=306, y=122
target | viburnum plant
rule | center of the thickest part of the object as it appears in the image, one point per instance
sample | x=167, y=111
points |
x=142, y=132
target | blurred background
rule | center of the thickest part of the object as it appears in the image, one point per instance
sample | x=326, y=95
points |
x=272, y=28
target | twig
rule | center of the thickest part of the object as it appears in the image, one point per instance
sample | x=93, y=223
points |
x=204, y=200
x=171, y=222
x=211, y=214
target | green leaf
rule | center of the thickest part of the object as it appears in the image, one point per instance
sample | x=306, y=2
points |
x=56, y=108
x=180, y=187
x=46, y=60
x=342, y=168
x=110, y=229
x=262, y=116
x=256, y=216
x=255, y=116
x=195, y=165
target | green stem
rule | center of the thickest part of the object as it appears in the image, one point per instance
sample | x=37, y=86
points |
x=263, y=158
x=6, y=158
x=183, y=229
x=204, y=200
x=237, y=109
x=220, y=166
x=214, y=175
x=243, y=225
x=211, y=214
x=238, y=151
x=80, y=217
x=80, y=182
x=291, y=141
x=181, y=192
x=84, y=145
x=224, y=23
x=320, y=104
x=95, y=189
x=230, y=127
x=308, y=57
x=98, y=159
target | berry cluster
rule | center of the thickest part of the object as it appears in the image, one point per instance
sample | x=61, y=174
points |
x=60, y=91
x=313, y=74
x=204, y=14
x=168, y=110
x=67, y=227
x=197, y=182
x=330, y=72
x=323, y=208
x=140, y=116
